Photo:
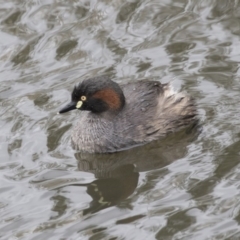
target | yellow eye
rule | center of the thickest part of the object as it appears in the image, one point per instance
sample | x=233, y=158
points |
x=83, y=98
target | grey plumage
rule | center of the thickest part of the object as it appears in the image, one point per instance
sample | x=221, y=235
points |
x=152, y=110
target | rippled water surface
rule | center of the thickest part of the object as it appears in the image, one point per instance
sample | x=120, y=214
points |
x=184, y=187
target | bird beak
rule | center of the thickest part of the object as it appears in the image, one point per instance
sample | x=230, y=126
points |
x=68, y=107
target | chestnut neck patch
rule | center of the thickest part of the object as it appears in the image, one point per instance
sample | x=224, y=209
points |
x=112, y=98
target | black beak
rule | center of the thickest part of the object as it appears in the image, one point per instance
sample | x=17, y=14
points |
x=69, y=107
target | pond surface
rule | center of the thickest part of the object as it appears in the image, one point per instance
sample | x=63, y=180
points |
x=183, y=187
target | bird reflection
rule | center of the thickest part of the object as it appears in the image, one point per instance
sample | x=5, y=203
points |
x=109, y=191
x=117, y=174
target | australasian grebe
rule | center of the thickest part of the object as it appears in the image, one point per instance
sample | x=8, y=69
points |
x=115, y=118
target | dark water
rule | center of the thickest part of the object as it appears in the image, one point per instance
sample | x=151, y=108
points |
x=184, y=187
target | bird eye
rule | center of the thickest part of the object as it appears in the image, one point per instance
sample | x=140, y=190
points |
x=83, y=98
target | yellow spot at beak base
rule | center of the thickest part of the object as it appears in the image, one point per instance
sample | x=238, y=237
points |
x=79, y=104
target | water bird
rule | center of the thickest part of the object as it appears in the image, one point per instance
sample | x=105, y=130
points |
x=117, y=117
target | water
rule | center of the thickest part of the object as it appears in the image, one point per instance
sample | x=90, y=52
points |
x=184, y=187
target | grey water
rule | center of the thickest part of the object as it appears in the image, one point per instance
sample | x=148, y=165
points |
x=183, y=187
